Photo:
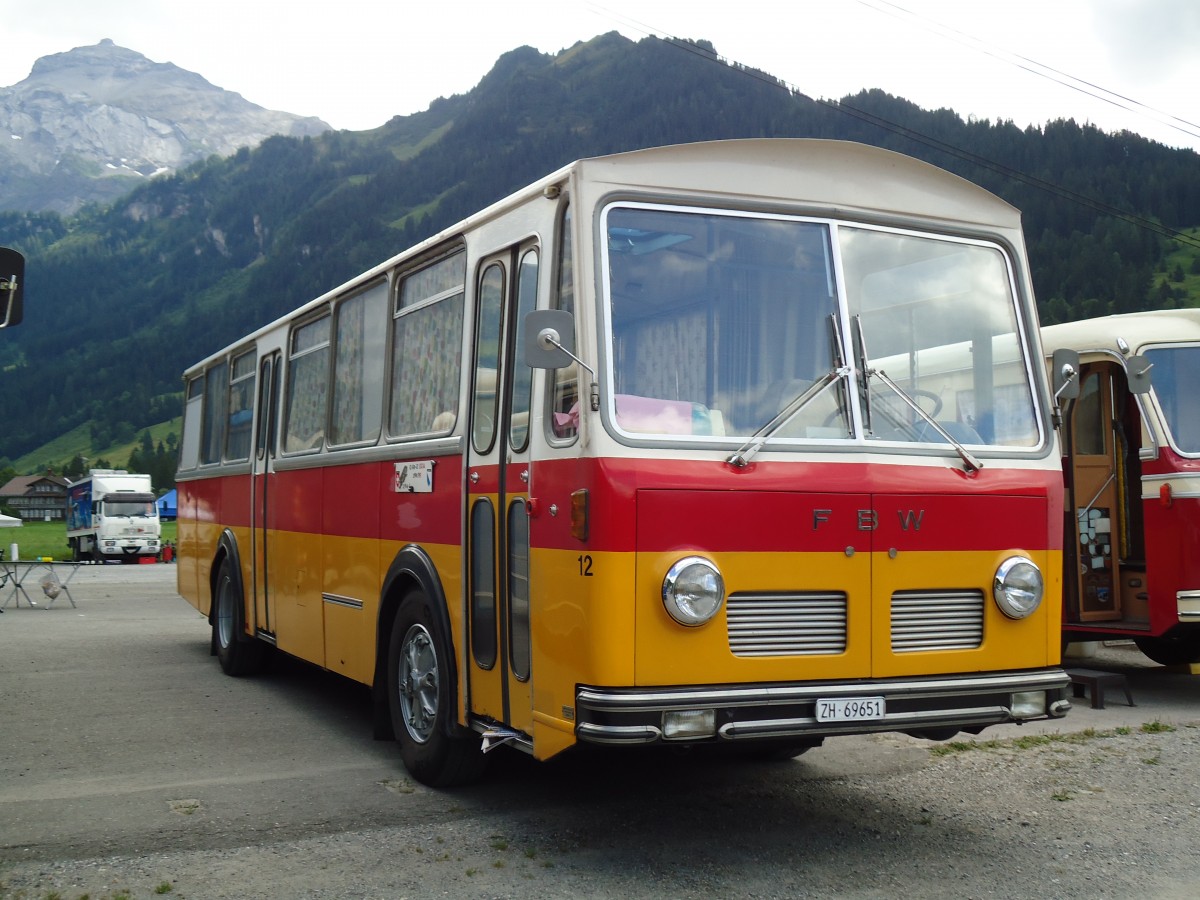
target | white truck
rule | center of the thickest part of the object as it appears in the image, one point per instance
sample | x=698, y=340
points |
x=111, y=515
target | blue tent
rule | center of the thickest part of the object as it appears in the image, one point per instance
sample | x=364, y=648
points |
x=166, y=505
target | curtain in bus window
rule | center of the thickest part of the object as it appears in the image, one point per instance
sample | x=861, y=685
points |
x=719, y=321
x=426, y=356
x=358, y=367
x=308, y=387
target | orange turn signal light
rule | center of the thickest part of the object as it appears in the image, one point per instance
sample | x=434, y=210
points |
x=579, y=514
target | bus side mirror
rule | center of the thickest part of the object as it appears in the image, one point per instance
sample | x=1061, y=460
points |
x=12, y=287
x=549, y=339
x=1137, y=372
x=1065, y=368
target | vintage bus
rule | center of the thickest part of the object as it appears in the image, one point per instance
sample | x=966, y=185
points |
x=618, y=461
x=1131, y=444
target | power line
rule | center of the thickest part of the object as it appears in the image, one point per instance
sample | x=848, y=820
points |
x=916, y=136
x=1042, y=70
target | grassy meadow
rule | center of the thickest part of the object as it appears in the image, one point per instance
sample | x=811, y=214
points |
x=36, y=540
x=58, y=453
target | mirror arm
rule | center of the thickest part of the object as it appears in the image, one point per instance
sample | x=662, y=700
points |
x=1068, y=375
x=547, y=338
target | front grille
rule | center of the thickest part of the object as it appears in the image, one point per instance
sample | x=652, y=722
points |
x=936, y=620
x=792, y=624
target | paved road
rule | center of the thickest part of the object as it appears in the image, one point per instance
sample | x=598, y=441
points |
x=128, y=761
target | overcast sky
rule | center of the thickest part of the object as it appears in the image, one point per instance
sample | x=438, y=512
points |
x=357, y=63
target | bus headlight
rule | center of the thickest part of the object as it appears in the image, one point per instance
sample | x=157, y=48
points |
x=1018, y=587
x=693, y=591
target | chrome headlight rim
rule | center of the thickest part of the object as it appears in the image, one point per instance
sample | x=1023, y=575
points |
x=1019, y=587
x=690, y=597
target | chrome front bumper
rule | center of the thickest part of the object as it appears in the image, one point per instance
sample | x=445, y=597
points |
x=788, y=710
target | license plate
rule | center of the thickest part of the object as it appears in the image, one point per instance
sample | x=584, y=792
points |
x=850, y=709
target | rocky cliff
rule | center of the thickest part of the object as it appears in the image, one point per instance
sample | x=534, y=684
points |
x=91, y=123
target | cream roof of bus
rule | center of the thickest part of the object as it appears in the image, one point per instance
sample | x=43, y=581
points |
x=851, y=178
x=1140, y=329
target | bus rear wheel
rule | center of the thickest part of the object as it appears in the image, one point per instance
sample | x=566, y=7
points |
x=236, y=655
x=419, y=700
x=1171, y=651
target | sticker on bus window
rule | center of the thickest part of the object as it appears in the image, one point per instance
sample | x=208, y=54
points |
x=414, y=477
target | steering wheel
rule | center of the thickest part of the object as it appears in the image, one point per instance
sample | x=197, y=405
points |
x=928, y=395
x=914, y=393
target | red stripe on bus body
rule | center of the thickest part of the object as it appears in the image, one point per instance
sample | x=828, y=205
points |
x=788, y=506
x=345, y=501
x=802, y=522
x=661, y=504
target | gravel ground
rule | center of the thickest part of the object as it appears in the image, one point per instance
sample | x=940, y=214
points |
x=1100, y=815
x=1103, y=804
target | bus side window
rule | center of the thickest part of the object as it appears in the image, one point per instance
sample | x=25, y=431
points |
x=488, y=342
x=216, y=400
x=358, y=371
x=308, y=387
x=241, y=407
x=564, y=418
x=522, y=379
x=1089, y=419
x=427, y=349
x=189, y=449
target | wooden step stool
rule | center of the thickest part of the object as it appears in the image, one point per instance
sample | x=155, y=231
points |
x=1097, y=681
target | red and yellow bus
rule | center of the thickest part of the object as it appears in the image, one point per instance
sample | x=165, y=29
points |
x=740, y=444
x=1131, y=445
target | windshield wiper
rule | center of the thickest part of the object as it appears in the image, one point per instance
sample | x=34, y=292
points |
x=864, y=394
x=971, y=462
x=742, y=456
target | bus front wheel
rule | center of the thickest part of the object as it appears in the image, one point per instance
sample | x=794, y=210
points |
x=419, y=680
x=236, y=655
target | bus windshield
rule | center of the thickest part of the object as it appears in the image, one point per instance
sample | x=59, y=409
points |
x=721, y=320
x=1176, y=373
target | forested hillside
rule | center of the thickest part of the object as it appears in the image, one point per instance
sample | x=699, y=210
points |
x=119, y=300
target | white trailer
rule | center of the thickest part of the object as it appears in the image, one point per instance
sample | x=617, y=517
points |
x=111, y=515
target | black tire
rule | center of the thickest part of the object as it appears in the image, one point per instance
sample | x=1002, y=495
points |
x=419, y=678
x=1171, y=651
x=237, y=654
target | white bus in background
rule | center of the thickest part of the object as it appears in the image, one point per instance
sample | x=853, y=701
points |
x=1131, y=455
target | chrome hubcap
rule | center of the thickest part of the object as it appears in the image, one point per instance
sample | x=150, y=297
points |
x=418, y=683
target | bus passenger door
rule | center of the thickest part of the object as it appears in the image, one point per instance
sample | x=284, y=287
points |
x=1096, y=501
x=260, y=493
x=498, y=479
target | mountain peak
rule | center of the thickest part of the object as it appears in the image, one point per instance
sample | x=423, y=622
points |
x=88, y=123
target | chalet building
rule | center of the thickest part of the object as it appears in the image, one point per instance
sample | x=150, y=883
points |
x=36, y=497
